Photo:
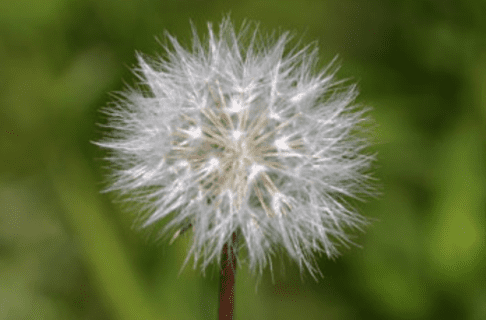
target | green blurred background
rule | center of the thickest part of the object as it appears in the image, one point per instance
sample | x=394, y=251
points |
x=68, y=252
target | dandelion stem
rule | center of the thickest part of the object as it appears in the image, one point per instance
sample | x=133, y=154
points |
x=227, y=279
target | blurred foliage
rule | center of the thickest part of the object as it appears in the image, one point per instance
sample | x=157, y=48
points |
x=68, y=252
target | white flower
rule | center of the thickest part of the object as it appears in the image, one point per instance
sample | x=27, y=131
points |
x=233, y=138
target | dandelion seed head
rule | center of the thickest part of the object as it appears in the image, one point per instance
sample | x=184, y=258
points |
x=242, y=139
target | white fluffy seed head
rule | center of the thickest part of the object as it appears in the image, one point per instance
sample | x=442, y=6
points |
x=232, y=138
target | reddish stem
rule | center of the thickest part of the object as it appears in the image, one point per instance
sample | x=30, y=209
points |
x=227, y=281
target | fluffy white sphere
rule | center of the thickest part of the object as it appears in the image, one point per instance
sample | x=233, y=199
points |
x=241, y=138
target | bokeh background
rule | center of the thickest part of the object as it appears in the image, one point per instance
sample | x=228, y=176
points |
x=68, y=252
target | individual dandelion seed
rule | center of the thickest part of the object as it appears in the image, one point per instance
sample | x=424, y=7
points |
x=242, y=138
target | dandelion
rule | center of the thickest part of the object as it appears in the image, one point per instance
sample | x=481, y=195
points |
x=243, y=145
